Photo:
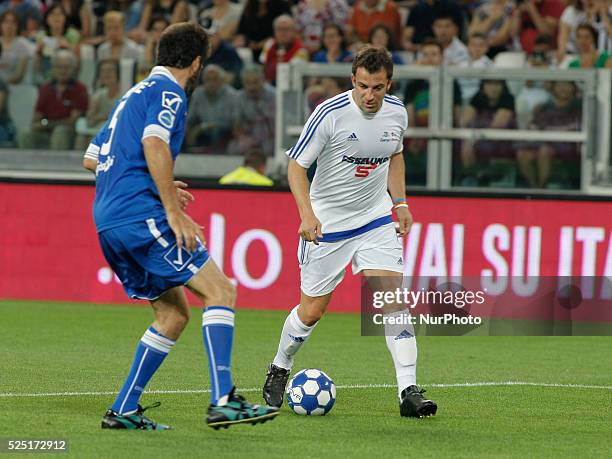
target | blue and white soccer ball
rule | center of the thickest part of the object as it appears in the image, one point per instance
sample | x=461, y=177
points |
x=311, y=393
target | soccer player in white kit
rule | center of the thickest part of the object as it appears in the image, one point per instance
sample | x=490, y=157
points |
x=357, y=139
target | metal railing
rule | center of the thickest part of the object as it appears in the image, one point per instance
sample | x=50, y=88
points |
x=593, y=136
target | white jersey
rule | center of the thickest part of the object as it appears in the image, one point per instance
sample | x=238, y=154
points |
x=352, y=149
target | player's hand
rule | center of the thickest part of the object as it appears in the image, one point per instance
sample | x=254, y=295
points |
x=185, y=197
x=310, y=229
x=185, y=230
x=404, y=220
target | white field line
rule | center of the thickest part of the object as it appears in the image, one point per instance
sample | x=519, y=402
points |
x=347, y=386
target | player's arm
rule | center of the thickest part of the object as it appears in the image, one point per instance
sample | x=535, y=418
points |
x=397, y=189
x=160, y=164
x=310, y=228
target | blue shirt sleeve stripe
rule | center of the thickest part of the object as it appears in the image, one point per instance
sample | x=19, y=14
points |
x=312, y=131
x=314, y=121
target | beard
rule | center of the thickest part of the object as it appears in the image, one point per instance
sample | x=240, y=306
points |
x=192, y=82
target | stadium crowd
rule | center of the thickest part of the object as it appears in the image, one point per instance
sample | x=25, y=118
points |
x=70, y=57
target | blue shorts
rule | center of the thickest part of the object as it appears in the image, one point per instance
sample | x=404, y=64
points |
x=145, y=258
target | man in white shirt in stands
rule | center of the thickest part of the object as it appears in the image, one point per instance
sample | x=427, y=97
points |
x=357, y=139
x=445, y=30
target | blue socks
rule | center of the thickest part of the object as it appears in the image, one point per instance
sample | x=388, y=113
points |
x=150, y=353
x=218, y=335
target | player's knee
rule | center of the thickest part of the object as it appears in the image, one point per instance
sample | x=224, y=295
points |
x=310, y=315
x=225, y=295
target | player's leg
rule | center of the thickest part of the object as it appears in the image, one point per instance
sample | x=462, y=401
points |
x=380, y=259
x=218, y=293
x=322, y=269
x=171, y=316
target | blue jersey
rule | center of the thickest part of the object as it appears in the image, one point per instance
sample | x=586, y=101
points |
x=125, y=191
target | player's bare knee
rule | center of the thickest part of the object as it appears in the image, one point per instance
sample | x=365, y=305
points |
x=224, y=295
x=310, y=314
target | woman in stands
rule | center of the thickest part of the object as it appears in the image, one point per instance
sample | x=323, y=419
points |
x=16, y=50
x=173, y=10
x=57, y=35
x=381, y=35
x=333, y=46
x=225, y=15
x=588, y=55
x=491, y=108
x=78, y=15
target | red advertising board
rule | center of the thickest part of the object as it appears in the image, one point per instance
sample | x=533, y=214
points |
x=50, y=249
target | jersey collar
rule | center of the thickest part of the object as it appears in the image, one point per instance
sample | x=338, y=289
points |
x=161, y=70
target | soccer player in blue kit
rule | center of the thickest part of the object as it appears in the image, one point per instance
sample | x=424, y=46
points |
x=152, y=245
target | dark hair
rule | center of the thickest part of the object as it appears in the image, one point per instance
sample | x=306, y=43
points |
x=589, y=28
x=180, y=44
x=254, y=159
x=387, y=30
x=52, y=8
x=337, y=28
x=432, y=42
x=115, y=64
x=480, y=99
x=444, y=13
x=14, y=14
x=373, y=58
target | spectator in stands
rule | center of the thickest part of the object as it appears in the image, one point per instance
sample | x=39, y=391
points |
x=224, y=15
x=588, y=56
x=535, y=18
x=534, y=93
x=381, y=35
x=322, y=89
x=491, y=108
x=256, y=23
x=445, y=30
x=255, y=118
x=312, y=15
x=7, y=128
x=28, y=12
x=173, y=10
x=286, y=46
x=416, y=98
x=478, y=59
x=365, y=14
x=132, y=11
x=333, y=46
x=419, y=23
x=251, y=173
x=224, y=55
x=102, y=102
x=60, y=103
x=494, y=20
x=603, y=24
x=16, y=51
x=212, y=113
x=57, y=35
x=158, y=25
x=78, y=16
x=562, y=113
x=117, y=45
x=593, y=12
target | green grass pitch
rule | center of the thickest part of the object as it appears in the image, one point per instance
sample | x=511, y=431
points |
x=81, y=348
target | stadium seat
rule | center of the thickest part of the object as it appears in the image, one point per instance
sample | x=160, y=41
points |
x=21, y=104
x=510, y=59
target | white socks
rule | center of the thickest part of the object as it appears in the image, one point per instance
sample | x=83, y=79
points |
x=294, y=334
x=402, y=346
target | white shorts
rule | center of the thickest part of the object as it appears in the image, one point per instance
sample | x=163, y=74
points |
x=322, y=266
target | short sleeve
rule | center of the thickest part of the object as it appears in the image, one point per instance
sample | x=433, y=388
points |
x=314, y=136
x=165, y=108
x=400, y=143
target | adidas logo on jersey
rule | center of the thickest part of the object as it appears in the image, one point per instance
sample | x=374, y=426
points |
x=353, y=138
